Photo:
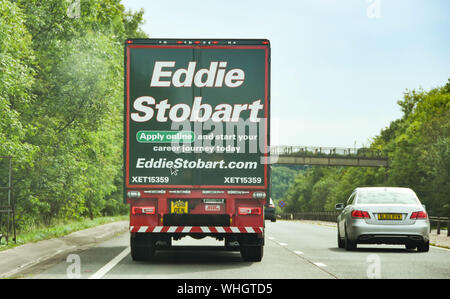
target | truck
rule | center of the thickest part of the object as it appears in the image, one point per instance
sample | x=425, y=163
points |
x=196, y=142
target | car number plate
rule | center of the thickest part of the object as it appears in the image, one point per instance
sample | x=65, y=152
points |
x=179, y=206
x=384, y=216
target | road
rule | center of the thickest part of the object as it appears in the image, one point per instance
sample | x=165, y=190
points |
x=293, y=249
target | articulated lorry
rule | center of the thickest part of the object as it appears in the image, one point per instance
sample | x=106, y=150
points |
x=196, y=142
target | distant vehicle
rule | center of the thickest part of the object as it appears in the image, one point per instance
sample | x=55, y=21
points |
x=383, y=215
x=269, y=211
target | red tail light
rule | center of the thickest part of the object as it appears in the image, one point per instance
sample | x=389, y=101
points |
x=360, y=214
x=143, y=210
x=249, y=211
x=419, y=215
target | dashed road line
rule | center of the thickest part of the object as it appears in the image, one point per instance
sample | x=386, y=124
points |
x=301, y=255
x=106, y=268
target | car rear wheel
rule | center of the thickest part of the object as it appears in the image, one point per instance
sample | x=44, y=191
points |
x=142, y=248
x=410, y=246
x=341, y=243
x=349, y=244
x=252, y=253
x=423, y=246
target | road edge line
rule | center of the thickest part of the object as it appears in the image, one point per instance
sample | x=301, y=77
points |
x=111, y=264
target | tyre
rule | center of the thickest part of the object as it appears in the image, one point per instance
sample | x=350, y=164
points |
x=349, y=244
x=142, y=248
x=164, y=243
x=423, y=246
x=252, y=253
x=410, y=246
x=341, y=243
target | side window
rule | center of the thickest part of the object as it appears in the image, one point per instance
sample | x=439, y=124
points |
x=351, y=199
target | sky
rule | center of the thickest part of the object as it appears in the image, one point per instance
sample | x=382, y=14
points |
x=338, y=67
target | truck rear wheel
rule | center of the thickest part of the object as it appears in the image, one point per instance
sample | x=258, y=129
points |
x=142, y=248
x=252, y=253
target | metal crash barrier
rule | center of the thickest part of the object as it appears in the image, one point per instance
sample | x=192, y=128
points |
x=7, y=216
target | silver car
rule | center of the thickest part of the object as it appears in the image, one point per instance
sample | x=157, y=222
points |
x=383, y=215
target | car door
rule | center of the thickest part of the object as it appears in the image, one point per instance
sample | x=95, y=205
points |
x=346, y=214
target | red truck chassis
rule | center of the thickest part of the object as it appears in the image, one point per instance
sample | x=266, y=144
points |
x=231, y=215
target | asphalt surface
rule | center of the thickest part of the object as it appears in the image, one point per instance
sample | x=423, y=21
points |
x=293, y=249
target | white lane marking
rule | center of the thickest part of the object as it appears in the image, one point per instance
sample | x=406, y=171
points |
x=298, y=252
x=106, y=268
x=282, y=244
x=320, y=265
x=271, y=238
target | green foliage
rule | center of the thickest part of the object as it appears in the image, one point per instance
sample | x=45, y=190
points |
x=61, y=101
x=282, y=178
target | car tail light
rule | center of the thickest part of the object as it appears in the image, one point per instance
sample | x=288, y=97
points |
x=419, y=215
x=249, y=211
x=360, y=214
x=143, y=210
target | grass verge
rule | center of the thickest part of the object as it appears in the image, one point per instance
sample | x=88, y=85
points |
x=57, y=230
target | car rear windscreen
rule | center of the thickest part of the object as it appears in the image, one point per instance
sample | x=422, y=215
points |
x=386, y=197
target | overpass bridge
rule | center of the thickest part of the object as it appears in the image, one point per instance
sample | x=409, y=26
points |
x=328, y=156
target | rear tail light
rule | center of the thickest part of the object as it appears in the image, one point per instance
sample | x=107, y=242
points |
x=249, y=211
x=143, y=210
x=133, y=194
x=259, y=195
x=360, y=214
x=419, y=215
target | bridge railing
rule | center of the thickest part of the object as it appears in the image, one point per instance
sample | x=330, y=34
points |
x=289, y=150
x=332, y=217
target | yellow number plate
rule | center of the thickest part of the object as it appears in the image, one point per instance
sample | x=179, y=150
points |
x=390, y=217
x=179, y=206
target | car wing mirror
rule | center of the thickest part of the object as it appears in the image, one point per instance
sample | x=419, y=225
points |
x=339, y=206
